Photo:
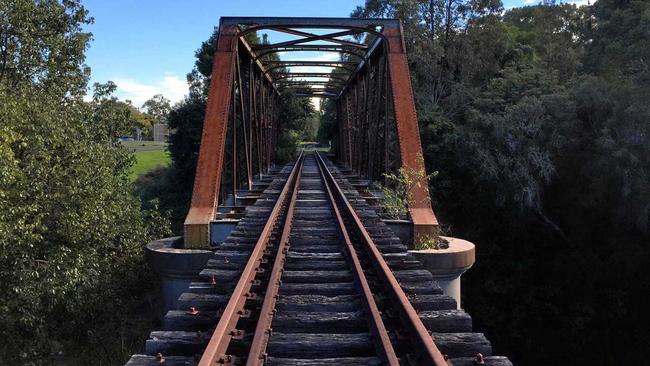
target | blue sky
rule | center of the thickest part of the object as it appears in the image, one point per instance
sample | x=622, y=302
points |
x=147, y=46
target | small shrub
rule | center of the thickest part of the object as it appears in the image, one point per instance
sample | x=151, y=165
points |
x=398, y=191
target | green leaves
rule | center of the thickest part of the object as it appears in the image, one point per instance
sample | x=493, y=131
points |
x=71, y=228
x=71, y=232
x=42, y=43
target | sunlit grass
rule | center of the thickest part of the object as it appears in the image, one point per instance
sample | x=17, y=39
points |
x=147, y=161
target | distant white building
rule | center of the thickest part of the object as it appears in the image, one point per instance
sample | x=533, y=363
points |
x=160, y=132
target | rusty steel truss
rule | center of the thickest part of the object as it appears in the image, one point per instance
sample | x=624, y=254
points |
x=376, y=118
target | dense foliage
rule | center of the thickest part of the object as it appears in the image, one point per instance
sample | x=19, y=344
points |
x=72, y=275
x=537, y=121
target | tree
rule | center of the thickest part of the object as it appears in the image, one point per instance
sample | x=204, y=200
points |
x=537, y=122
x=327, y=127
x=112, y=118
x=71, y=232
x=157, y=107
x=42, y=43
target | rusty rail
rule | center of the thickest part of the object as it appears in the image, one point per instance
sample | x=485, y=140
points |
x=385, y=349
x=263, y=327
x=225, y=331
x=382, y=341
x=427, y=352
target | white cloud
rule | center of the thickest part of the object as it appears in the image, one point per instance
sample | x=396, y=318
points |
x=529, y=2
x=582, y=2
x=170, y=86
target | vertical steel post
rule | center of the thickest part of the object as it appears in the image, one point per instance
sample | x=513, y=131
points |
x=208, y=171
x=425, y=224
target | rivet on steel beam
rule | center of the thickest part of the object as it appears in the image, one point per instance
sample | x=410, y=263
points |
x=193, y=311
x=480, y=359
x=160, y=358
x=214, y=280
x=226, y=260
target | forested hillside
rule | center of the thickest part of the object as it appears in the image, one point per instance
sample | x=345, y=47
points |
x=538, y=122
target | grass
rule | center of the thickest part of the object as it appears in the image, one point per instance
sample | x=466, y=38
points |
x=147, y=161
x=134, y=144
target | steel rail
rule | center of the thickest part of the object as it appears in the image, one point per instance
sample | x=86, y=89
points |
x=423, y=344
x=215, y=352
x=256, y=355
x=384, y=347
x=263, y=327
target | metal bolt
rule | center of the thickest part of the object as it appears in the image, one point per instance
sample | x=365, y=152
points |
x=479, y=359
x=193, y=311
x=214, y=280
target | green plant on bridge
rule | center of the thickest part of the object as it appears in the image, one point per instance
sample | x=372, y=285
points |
x=398, y=192
x=399, y=187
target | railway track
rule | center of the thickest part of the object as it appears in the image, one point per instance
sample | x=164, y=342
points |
x=311, y=276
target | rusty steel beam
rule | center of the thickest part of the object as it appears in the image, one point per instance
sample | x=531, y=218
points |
x=342, y=77
x=313, y=22
x=424, y=220
x=310, y=82
x=272, y=51
x=268, y=49
x=317, y=95
x=205, y=194
x=310, y=37
x=333, y=65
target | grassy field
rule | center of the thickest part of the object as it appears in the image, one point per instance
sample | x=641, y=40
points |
x=147, y=161
x=137, y=144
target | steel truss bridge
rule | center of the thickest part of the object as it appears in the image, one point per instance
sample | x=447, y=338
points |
x=308, y=273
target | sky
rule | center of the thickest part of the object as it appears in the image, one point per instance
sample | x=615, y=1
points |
x=147, y=46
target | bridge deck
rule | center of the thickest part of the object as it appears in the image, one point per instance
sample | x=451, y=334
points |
x=327, y=308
